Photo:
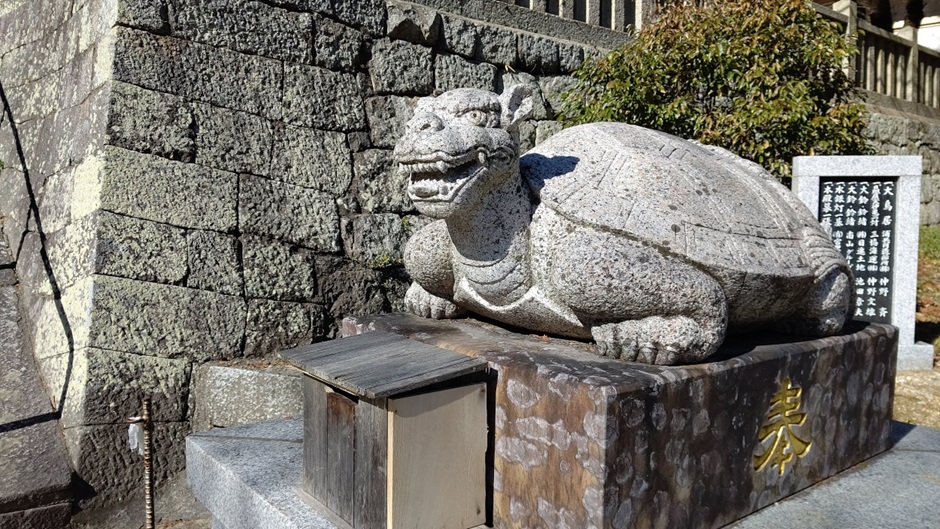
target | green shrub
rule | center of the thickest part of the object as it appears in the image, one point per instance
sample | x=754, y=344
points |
x=761, y=79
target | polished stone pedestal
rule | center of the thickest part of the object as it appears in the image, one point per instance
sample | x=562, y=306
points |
x=583, y=441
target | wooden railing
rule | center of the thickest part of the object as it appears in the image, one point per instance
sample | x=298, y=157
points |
x=889, y=64
x=611, y=14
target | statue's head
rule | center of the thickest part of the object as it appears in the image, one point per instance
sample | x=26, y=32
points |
x=461, y=145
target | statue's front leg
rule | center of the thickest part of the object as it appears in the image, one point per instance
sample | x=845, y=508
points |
x=428, y=260
x=420, y=302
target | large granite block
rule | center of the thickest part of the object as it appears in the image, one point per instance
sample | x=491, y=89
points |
x=277, y=325
x=497, y=45
x=337, y=47
x=51, y=144
x=99, y=454
x=247, y=26
x=108, y=386
x=376, y=174
x=133, y=248
x=399, y=67
x=165, y=321
x=317, y=97
x=582, y=441
x=277, y=270
x=157, y=189
x=367, y=15
x=152, y=122
x=451, y=71
x=387, y=118
x=460, y=36
x=413, y=23
x=374, y=240
x=222, y=77
x=232, y=395
x=349, y=287
x=538, y=54
x=312, y=158
x=148, y=15
x=214, y=262
x=233, y=141
x=56, y=48
x=42, y=319
x=287, y=212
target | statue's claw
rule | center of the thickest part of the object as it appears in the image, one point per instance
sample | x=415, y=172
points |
x=654, y=340
x=422, y=303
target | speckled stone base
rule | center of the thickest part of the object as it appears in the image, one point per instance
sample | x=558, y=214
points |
x=582, y=441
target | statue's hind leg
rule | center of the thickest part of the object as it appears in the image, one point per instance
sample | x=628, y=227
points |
x=640, y=304
x=831, y=300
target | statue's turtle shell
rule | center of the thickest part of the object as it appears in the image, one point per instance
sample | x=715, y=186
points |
x=699, y=203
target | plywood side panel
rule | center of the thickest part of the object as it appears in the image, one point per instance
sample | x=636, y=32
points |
x=437, y=465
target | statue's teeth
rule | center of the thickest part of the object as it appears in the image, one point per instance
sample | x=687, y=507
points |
x=441, y=166
x=481, y=156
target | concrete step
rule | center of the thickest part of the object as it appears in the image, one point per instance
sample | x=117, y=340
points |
x=240, y=392
x=248, y=477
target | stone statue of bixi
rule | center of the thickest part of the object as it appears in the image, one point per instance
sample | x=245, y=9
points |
x=653, y=246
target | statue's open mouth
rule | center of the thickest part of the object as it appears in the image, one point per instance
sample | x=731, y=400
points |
x=440, y=176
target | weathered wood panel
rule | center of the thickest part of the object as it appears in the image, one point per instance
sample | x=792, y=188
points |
x=379, y=364
x=371, y=463
x=314, y=438
x=341, y=451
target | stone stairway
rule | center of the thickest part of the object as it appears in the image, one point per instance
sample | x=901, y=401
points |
x=36, y=483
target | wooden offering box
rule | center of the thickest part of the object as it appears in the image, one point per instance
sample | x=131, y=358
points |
x=395, y=432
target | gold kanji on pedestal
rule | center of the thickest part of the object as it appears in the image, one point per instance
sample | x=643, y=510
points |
x=781, y=418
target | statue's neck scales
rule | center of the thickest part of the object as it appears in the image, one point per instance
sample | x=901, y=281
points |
x=491, y=243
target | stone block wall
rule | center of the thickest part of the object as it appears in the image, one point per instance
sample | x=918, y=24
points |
x=214, y=180
x=55, y=70
x=899, y=133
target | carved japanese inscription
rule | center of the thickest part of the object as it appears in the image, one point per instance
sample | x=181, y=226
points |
x=784, y=443
x=860, y=216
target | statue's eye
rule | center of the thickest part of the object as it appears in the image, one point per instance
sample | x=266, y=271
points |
x=475, y=117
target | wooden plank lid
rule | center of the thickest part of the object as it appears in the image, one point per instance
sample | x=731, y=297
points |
x=379, y=364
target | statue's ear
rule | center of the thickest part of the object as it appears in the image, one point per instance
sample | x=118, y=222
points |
x=517, y=105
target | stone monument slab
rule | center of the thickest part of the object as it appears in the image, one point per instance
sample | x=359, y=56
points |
x=870, y=206
x=584, y=441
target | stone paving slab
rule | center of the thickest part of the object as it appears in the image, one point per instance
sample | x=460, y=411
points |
x=897, y=489
x=248, y=477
